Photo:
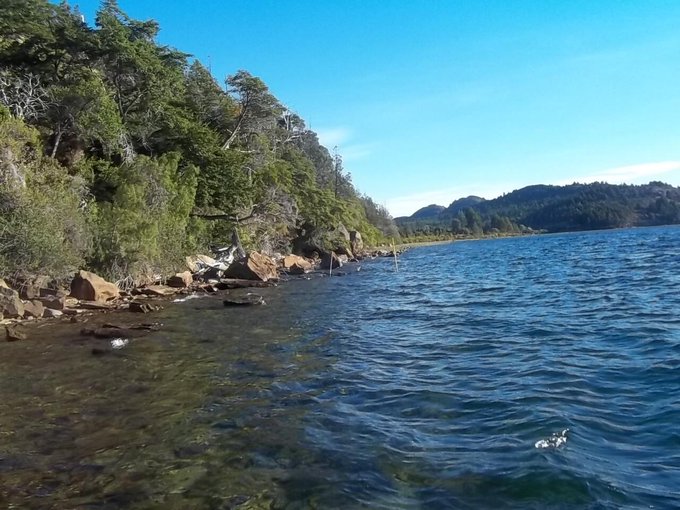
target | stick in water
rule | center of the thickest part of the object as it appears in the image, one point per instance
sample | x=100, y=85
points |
x=394, y=252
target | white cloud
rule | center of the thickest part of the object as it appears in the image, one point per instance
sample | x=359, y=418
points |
x=355, y=152
x=631, y=174
x=330, y=137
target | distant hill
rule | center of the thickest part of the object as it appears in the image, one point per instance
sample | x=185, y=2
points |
x=462, y=203
x=428, y=212
x=554, y=209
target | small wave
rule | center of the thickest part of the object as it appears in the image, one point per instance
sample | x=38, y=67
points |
x=555, y=441
x=119, y=343
x=186, y=298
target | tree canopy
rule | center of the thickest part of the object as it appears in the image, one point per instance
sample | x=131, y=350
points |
x=163, y=157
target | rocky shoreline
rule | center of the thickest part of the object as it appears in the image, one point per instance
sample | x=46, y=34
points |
x=28, y=302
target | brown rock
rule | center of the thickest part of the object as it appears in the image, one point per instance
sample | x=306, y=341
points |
x=181, y=280
x=296, y=265
x=10, y=303
x=255, y=266
x=158, y=290
x=90, y=287
x=34, y=309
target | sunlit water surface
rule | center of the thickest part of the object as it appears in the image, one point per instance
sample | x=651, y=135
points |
x=449, y=384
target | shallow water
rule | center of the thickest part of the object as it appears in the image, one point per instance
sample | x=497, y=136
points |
x=446, y=385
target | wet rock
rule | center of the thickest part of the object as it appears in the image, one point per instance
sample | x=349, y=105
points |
x=330, y=260
x=112, y=331
x=11, y=305
x=88, y=286
x=247, y=300
x=236, y=283
x=94, y=305
x=13, y=333
x=51, y=314
x=137, y=307
x=34, y=309
x=255, y=266
x=181, y=280
x=159, y=290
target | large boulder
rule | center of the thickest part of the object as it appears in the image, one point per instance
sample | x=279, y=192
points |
x=88, y=286
x=11, y=305
x=34, y=308
x=255, y=266
x=181, y=280
x=330, y=261
x=295, y=264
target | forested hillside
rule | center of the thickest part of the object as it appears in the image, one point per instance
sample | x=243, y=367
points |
x=122, y=155
x=553, y=209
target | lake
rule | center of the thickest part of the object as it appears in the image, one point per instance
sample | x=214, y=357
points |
x=524, y=373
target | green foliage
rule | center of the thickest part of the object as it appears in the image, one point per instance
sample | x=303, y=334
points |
x=557, y=209
x=135, y=158
x=42, y=226
x=143, y=229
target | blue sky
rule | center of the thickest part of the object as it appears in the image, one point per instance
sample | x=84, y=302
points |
x=429, y=101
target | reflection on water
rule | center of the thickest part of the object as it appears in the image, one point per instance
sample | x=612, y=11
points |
x=427, y=388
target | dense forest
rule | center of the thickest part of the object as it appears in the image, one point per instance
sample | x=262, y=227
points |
x=550, y=208
x=123, y=155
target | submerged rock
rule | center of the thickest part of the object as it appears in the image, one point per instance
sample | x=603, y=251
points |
x=14, y=333
x=137, y=307
x=247, y=300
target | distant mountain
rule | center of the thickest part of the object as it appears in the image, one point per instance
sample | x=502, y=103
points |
x=462, y=203
x=430, y=211
x=555, y=209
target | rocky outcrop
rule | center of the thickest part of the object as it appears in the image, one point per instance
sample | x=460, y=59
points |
x=255, y=266
x=11, y=305
x=88, y=286
x=311, y=240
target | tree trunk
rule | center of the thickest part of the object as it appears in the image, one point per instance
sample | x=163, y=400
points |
x=57, y=141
